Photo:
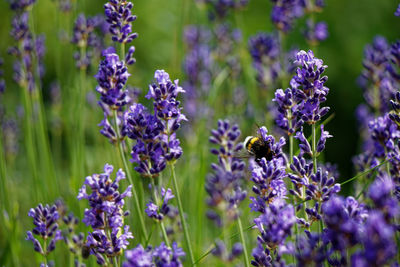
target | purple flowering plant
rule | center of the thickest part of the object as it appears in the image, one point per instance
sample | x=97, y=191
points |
x=272, y=199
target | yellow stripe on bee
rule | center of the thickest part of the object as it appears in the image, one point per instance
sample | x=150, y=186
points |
x=252, y=141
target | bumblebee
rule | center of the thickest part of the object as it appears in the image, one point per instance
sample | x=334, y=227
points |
x=259, y=148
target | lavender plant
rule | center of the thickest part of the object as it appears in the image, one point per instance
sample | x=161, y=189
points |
x=106, y=215
x=224, y=187
x=46, y=228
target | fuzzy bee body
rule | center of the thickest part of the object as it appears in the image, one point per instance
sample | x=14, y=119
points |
x=259, y=148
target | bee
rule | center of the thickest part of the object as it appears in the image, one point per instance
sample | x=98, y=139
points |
x=259, y=148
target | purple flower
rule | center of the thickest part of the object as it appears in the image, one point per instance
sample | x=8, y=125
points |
x=223, y=185
x=378, y=78
x=378, y=242
x=161, y=256
x=112, y=77
x=316, y=33
x=148, y=151
x=321, y=187
x=310, y=249
x=265, y=51
x=289, y=110
x=397, y=12
x=322, y=139
x=158, y=212
x=274, y=226
x=45, y=219
x=138, y=257
x=344, y=220
x=304, y=144
x=25, y=50
x=168, y=111
x=394, y=115
x=106, y=214
x=284, y=13
x=119, y=16
x=87, y=37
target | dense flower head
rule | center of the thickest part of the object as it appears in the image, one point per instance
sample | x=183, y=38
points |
x=275, y=224
x=378, y=242
x=88, y=37
x=223, y=185
x=269, y=185
x=265, y=51
x=45, y=219
x=384, y=133
x=161, y=256
x=21, y=5
x=289, y=117
x=25, y=51
x=344, y=219
x=168, y=111
x=285, y=12
x=321, y=187
x=106, y=214
x=378, y=78
x=119, y=16
x=309, y=249
x=381, y=194
x=145, y=129
x=112, y=77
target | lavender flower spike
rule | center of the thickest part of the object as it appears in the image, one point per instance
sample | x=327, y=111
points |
x=120, y=18
x=45, y=219
x=106, y=216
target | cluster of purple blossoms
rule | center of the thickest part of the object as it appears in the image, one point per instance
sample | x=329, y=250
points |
x=112, y=77
x=265, y=52
x=27, y=50
x=275, y=225
x=343, y=219
x=119, y=16
x=309, y=83
x=350, y=224
x=161, y=256
x=168, y=111
x=301, y=103
x=285, y=12
x=277, y=217
x=318, y=186
x=145, y=128
x=197, y=67
x=155, y=135
x=88, y=35
x=224, y=184
x=106, y=216
x=379, y=78
x=156, y=212
x=316, y=32
x=45, y=219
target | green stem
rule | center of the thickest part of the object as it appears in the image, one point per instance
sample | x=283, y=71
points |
x=314, y=147
x=243, y=240
x=29, y=142
x=128, y=174
x=181, y=214
x=161, y=223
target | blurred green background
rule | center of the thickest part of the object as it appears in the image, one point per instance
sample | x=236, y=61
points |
x=160, y=24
